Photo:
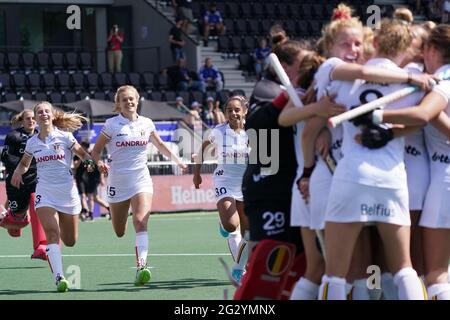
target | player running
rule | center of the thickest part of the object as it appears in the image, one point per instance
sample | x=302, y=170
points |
x=231, y=143
x=126, y=137
x=57, y=202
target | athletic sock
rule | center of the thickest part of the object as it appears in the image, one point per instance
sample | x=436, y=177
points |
x=332, y=288
x=234, y=240
x=305, y=289
x=360, y=290
x=440, y=291
x=141, y=248
x=36, y=228
x=55, y=260
x=242, y=256
x=390, y=290
x=410, y=287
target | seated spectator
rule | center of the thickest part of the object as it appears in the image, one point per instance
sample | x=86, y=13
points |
x=208, y=116
x=404, y=15
x=260, y=54
x=219, y=116
x=176, y=41
x=193, y=117
x=183, y=79
x=180, y=106
x=210, y=75
x=212, y=21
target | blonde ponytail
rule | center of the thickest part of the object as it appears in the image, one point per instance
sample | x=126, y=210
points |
x=63, y=120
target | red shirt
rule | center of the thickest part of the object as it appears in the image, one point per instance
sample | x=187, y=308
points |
x=114, y=44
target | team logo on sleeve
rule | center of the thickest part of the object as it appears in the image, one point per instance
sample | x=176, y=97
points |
x=278, y=260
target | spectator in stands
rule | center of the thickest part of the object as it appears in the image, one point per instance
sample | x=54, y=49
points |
x=212, y=21
x=404, y=15
x=176, y=41
x=277, y=35
x=434, y=10
x=210, y=75
x=183, y=8
x=445, y=12
x=194, y=117
x=115, y=40
x=184, y=79
x=260, y=54
x=208, y=116
x=179, y=105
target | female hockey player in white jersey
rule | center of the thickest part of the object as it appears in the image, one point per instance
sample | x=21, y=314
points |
x=57, y=201
x=369, y=185
x=129, y=183
x=434, y=108
x=231, y=142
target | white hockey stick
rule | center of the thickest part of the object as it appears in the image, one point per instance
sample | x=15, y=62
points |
x=372, y=105
x=379, y=103
x=275, y=63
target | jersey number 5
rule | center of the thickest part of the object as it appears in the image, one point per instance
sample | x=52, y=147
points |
x=111, y=191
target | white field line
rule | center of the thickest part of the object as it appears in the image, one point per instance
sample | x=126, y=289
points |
x=101, y=255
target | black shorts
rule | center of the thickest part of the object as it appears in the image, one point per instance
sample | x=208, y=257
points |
x=19, y=199
x=81, y=186
x=271, y=219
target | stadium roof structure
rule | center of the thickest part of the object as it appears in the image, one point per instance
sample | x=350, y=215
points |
x=18, y=105
x=157, y=110
x=92, y=107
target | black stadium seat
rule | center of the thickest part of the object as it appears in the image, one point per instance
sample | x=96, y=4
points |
x=70, y=96
x=3, y=65
x=57, y=59
x=85, y=61
x=77, y=81
x=34, y=81
x=63, y=81
x=92, y=81
x=71, y=60
x=56, y=97
x=13, y=61
x=135, y=79
x=19, y=81
x=28, y=61
x=40, y=96
x=120, y=79
x=106, y=81
x=43, y=61
x=48, y=81
x=148, y=80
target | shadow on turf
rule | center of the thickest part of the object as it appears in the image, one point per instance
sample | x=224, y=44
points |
x=170, y=285
x=15, y=268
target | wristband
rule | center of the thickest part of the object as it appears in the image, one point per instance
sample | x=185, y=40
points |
x=89, y=162
x=307, y=172
x=377, y=116
x=280, y=101
x=409, y=78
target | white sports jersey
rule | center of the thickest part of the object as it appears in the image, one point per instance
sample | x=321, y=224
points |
x=324, y=85
x=437, y=143
x=232, y=151
x=127, y=143
x=53, y=157
x=384, y=167
x=298, y=130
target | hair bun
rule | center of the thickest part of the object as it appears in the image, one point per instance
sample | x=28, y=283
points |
x=340, y=15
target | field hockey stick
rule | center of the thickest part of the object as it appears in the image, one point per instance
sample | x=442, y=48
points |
x=228, y=273
x=380, y=103
x=275, y=63
x=370, y=106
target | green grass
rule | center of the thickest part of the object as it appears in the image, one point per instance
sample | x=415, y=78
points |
x=174, y=276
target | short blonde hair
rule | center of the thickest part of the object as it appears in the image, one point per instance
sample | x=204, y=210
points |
x=393, y=37
x=121, y=90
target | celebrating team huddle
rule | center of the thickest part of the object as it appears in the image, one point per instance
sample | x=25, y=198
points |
x=326, y=202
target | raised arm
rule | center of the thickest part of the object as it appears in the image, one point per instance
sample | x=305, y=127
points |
x=353, y=71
